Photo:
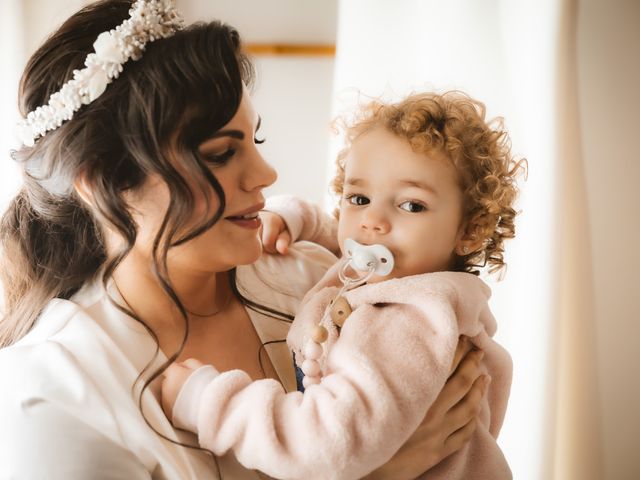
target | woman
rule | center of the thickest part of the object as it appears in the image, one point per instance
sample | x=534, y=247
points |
x=119, y=253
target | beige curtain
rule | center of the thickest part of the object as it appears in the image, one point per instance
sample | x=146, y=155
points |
x=578, y=440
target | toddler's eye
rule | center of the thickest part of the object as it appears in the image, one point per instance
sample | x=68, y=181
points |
x=259, y=142
x=413, y=207
x=356, y=199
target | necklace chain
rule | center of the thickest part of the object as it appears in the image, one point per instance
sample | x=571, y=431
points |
x=195, y=314
x=220, y=309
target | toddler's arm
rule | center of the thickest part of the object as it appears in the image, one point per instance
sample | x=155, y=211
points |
x=362, y=412
x=447, y=426
x=298, y=220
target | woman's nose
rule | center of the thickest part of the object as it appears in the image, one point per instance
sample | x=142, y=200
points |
x=375, y=220
x=259, y=173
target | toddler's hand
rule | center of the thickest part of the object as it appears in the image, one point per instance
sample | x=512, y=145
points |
x=275, y=236
x=174, y=378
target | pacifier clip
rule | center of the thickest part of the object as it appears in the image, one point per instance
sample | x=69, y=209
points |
x=365, y=259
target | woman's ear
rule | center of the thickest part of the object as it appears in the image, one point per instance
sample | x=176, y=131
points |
x=83, y=189
x=474, y=233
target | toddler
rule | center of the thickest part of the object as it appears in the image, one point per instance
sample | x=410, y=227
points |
x=429, y=179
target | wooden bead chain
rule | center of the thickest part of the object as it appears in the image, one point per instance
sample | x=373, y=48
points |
x=370, y=258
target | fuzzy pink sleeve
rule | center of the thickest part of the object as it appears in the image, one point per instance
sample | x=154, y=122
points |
x=306, y=221
x=381, y=380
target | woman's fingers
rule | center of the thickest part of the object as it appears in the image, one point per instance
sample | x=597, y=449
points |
x=459, y=383
x=463, y=347
x=459, y=438
x=468, y=408
x=450, y=421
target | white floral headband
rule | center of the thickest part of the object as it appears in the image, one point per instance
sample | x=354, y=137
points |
x=148, y=21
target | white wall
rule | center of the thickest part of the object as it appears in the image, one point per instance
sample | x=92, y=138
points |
x=292, y=93
x=266, y=21
x=293, y=96
x=609, y=72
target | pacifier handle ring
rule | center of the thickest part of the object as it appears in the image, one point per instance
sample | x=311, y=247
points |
x=350, y=281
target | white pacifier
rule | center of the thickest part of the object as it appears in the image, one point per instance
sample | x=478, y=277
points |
x=370, y=259
x=364, y=258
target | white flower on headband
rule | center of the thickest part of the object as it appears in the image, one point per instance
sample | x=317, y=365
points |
x=107, y=49
x=148, y=21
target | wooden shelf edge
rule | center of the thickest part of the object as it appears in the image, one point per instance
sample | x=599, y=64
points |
x=288, y=49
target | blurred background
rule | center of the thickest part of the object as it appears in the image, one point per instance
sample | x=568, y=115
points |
x=564, y=74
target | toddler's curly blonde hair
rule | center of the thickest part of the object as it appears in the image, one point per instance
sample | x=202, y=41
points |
x=454, y=124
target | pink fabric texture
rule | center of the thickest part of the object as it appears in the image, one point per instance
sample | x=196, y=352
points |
x=402, y=336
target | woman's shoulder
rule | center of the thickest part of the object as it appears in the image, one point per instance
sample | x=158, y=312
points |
x=72, y=377
x=72, y=340
x=44, y=365
x=44, y=342
x=49, y=368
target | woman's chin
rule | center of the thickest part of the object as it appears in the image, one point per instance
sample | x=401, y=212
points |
x=249, y=254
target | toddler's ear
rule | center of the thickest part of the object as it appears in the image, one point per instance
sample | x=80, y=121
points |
x=474, y=233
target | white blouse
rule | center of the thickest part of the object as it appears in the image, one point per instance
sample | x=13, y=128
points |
x=67, y=410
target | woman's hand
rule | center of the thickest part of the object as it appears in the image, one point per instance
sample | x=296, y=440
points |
x=274, y=235
x=173, y=379
x=448, y=424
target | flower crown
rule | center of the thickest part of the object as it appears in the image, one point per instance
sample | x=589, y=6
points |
x=148, y=21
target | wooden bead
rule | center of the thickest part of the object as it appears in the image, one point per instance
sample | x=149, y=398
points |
x=306, y=381
x=339, y=311
x=312, y=350
x=319, y=334
x=311, y=368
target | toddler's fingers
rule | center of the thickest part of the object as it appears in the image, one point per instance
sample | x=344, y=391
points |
x=173, y=369
x=269, y=234
x=192, y=363
x=283, y=242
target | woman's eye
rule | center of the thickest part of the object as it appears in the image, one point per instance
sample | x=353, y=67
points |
x=221, y=158
x=259, y=142
x=357, y=199
x=413, y=207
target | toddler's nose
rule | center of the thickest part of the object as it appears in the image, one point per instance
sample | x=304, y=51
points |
x=375, y=221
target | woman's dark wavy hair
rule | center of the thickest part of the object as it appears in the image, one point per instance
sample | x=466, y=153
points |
x=162, y=107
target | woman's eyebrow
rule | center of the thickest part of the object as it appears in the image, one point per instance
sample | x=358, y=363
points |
x=220, y=134
x=227, y=133
x=232, y=132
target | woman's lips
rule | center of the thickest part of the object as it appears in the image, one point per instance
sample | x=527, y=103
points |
x=251, y=223
x=248, y=218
